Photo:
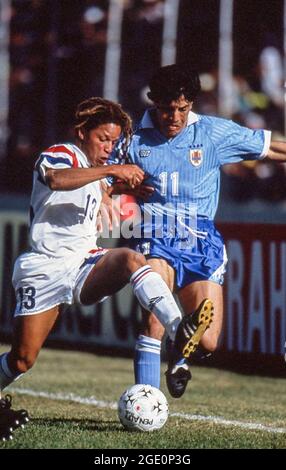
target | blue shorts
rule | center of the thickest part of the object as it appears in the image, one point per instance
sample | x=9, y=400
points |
x=204, y=260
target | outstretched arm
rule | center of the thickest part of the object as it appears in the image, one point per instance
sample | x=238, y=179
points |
x=277, y=151
x=74, y=178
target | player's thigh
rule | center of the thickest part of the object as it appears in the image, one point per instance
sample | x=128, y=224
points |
x=111, y=273
x=151, y=325
x=31, y=331
x=190, y=298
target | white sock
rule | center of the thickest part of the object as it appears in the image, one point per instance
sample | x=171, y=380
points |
x=155, y=296
x=6, y=375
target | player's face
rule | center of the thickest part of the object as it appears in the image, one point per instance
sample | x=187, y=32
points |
x=172, y=118
x=98, y=143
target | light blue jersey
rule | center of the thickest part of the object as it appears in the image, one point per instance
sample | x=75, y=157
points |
x=185, y=172
x=186, y=168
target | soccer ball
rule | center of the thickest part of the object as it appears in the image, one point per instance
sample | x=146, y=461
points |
x=143, y=408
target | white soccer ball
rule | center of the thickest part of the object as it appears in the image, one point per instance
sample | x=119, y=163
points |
x=143, y=408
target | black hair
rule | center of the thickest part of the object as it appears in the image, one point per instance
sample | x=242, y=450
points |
x=172, y=81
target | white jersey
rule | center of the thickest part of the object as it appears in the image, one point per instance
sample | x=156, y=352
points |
x=63, y=223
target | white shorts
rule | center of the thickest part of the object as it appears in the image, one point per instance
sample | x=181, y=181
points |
x=42, y=282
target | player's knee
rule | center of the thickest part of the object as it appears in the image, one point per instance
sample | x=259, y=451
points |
x=132, y=260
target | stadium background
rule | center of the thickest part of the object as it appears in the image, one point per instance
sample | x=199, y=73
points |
x=55, y=53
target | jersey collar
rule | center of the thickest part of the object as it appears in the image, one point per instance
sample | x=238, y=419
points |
x=147, y=123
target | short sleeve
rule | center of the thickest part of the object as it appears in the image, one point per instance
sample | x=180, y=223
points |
x=56, y=157
x=235, y=143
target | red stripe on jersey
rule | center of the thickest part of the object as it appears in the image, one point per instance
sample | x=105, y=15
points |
x=96, y=250
x=64, y=149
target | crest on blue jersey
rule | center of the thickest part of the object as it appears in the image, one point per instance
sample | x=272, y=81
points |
x=196, y=156
x=144, y=153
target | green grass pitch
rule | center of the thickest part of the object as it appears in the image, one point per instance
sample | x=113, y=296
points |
x=220, y=409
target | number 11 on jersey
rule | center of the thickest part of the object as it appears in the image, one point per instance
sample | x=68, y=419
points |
x=164, y=177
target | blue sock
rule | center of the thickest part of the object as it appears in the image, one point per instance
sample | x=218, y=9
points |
x=147, y=361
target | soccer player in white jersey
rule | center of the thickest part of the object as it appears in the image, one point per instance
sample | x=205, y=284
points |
x=65, y=265
x=181, y=153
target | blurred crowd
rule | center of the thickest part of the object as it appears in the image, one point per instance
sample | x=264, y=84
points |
x=57, y=58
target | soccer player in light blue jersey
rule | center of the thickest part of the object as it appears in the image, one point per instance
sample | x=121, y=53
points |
x=182, y=153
